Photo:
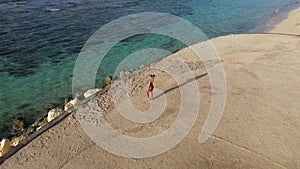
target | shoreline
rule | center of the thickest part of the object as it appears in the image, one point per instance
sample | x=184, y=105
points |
x=276, y=18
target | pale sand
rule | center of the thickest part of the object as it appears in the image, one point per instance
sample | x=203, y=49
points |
x=260, y=127
x=290, y=25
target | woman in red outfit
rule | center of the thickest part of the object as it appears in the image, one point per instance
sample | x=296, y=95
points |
x=150, y=87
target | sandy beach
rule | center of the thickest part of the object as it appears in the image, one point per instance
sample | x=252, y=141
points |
x=259, y=127
x=290, y=25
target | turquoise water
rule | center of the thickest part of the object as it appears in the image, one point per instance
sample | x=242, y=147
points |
x=40, y=41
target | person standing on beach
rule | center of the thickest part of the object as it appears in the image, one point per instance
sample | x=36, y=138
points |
x=150, y=87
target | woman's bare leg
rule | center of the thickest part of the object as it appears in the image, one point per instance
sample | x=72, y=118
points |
x=148, y=94
x=151, y=95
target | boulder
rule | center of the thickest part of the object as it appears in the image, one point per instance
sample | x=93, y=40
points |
x=40, y=122
x=79, y=96
x=4, y=147
x=91, y=92
x=60, y=107
x=18, y=124
x=73, y=102
x=70, y=105
x=49, y=106
x=142, y=66
x=16, y=140
x=52, y=114
x=127, y=72
x=29, y=131
x=108, y=80
x=39, y=128
x=67, y=100
x=122, y=74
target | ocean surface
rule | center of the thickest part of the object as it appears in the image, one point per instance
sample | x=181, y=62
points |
x=40, y=41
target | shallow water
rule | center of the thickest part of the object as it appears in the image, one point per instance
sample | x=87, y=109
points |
x=40, y=41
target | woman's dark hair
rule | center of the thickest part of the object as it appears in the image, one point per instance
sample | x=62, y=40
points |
x=152, y=75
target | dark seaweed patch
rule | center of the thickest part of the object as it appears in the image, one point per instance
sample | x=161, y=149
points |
x=23, y=106
x=55, y=61
x=21, y=73
x=56, y=54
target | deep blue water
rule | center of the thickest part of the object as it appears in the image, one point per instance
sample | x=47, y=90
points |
x=40, y=41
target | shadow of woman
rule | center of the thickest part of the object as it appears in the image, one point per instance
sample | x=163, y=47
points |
x=173, y=88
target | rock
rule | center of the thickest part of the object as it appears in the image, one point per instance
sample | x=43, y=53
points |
x=108, y=80
x=49, y=106
x=70, y=105
x=52, y=114
x=73, y=102
x=39, y=128
x=79, y=96
x=60, y=107
x=127, y=72
x=142, y=66
x=4, y=147
x=16, y=140
x=29, y=131
x=18, y=124
x=37, y=122
x=67, y=100
x=90, y=92
x=40, y=122
x=121, y=74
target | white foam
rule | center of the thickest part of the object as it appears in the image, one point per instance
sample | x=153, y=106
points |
x=52, y=9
